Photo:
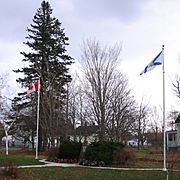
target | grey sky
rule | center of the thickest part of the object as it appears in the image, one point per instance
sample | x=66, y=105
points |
x=15, y=16
x=123, y=10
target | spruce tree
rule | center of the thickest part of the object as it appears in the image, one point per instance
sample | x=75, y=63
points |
x=47, y=58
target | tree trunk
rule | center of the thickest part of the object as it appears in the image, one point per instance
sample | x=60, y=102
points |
x=6, y=143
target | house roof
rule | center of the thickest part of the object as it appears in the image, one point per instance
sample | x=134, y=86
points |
x=178, y=119
x=171, y=132
x=86, y=130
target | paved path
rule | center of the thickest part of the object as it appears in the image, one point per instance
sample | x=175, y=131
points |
x=52, y=164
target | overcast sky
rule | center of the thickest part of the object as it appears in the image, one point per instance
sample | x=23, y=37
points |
x=142, y=26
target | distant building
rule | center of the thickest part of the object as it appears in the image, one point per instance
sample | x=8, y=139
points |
x=132, y=143
x=86, y=134
x=173, y=136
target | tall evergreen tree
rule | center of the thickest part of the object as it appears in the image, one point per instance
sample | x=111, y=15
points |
x=48, y=60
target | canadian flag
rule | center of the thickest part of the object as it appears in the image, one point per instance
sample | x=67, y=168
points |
x=34, y=87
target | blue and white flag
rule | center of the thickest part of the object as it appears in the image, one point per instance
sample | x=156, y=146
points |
x=158, y=60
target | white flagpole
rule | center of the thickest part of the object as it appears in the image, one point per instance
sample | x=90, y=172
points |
x=164, y=123
x=37, y=128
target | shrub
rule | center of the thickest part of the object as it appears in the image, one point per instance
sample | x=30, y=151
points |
x=102, y=151
x=52, y=153
x=123, y=157
x=9, y=168
x=69, y=150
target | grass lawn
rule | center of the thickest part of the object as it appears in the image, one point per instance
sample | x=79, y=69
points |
x=153, y=158
x=57, y=173
x=19, y=160
x=144, y=159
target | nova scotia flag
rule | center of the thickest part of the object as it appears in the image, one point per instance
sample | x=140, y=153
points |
x=158, y=60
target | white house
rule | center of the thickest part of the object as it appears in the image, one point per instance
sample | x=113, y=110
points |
x=173, y=136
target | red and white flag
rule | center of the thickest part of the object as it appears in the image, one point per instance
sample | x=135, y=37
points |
x=34, y=87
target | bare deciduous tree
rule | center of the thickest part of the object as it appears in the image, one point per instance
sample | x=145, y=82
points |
x=176, y=86
x=106, y=89
x=5, y=119
x=155, y=120
x=172, y=116
x=142, y=122
x=155, y=128
x=121, y=110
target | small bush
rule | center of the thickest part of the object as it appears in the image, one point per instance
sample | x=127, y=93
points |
x=102, y=151
x=123, y=157
x=52, y=153
x=69, y=150
x=9, y=169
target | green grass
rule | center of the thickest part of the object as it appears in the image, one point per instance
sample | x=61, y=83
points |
x=57, y=173
x=19, y=160
x=77, y=173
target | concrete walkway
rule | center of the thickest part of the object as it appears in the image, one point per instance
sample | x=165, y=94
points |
x=52, y=164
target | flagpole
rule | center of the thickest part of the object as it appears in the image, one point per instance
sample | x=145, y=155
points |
x=164, y=124
x=37, y=128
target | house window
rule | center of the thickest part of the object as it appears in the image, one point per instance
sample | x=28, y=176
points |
x=171, y=137
x=174, y=137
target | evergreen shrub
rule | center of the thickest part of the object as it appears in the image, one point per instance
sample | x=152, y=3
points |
x=69, y=150
x=102, y=151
